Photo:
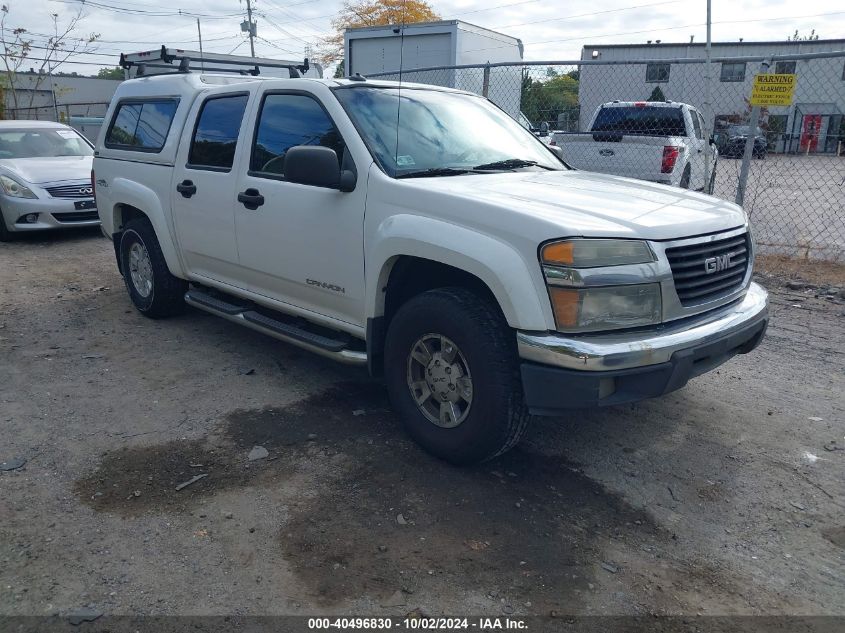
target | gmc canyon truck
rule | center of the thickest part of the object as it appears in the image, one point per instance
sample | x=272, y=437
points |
x=661, y=142
x=422, y=233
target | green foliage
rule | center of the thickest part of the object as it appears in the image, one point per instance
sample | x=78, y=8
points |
x=656, y=95
x=551, y=99
x=340, y=71
x=110, y=73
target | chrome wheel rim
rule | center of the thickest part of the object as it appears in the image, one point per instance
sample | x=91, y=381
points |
x=141, y=269
x=439, y=380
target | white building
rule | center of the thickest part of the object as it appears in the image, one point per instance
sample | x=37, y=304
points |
x=388, y=49
x=814, y=122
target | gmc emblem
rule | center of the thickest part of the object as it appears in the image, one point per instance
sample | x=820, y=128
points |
x=720, y=262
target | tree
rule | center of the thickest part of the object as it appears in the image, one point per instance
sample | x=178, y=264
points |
x=110, y=73
x=340, y=71
x=656, y=95
x=46, y=58
x=551, y=100
x=358, y=13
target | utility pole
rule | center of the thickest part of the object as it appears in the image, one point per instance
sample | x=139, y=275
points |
x=708, y=106
x=250, y=28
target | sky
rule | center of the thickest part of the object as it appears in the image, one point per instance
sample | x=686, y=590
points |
x=549, y=30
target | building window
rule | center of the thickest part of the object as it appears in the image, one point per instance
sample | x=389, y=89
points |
x=657, y=72
x=141, y=126
x=785, y=68
x=733, y=71
x=216, y=134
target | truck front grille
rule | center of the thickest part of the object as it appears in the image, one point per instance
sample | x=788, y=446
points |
x=710, y=270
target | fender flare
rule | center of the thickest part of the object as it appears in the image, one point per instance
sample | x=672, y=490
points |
x=521, y=295
x=131, y=193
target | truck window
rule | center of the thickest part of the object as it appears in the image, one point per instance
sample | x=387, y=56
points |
x=288, y=120
x=641, y=120
x=216, y=133
x=141, y=125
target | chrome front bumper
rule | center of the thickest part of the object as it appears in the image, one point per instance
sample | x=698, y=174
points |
x=628, y=350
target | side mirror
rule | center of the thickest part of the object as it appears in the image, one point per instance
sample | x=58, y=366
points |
x=557, y=151
x=317, y=166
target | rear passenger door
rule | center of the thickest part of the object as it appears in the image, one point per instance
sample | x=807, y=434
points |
x=204, y=186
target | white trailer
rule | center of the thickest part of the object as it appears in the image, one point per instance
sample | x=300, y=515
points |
x=425, y=45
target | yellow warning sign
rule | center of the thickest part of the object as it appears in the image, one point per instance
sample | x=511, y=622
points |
x=772, y=90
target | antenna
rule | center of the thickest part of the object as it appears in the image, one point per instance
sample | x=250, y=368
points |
x=399, y=91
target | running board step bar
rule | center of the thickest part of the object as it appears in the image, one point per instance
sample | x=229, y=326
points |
x=244, y=314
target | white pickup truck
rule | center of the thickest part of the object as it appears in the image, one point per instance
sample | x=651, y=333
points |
x=420, y=232
x=661, y=142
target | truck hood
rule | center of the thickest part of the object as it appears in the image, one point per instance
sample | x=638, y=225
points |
x=44, y=170
x=576, y=203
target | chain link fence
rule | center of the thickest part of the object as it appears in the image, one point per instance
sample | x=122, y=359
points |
x=85, y=117
x=794, y=186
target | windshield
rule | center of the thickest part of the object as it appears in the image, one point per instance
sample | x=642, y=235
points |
x=641, y=120
x=43, y=143
x=744, y=130
x=430, y=130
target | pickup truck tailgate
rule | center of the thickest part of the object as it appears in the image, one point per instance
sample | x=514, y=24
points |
x=632, y=156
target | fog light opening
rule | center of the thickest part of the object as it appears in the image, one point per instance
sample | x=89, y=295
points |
x=29, y=218
x=607, y=387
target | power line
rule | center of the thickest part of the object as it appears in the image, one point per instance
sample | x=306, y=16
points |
x=163, y=13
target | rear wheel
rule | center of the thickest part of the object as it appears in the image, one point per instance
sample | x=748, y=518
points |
x=452, y=373
x=153, y=289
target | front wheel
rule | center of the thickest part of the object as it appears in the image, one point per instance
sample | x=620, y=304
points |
x=153, y=289
x=452, y=373
x=5, y=234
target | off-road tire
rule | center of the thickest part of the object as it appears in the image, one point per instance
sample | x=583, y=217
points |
x=167, y=297
x=497, y=417
x=685, y=178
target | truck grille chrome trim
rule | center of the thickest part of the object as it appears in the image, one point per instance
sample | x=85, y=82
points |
x=709, y=271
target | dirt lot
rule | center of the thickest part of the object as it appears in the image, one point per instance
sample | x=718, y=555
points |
x=726, y=497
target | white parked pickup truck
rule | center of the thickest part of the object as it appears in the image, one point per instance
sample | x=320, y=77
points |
x=421, y=232
x=656, y=141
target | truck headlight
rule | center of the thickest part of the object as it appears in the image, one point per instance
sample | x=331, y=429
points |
x=15, y=189
x=589, y=253
x=605, y=307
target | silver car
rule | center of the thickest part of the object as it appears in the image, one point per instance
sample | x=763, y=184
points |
x=45, y=178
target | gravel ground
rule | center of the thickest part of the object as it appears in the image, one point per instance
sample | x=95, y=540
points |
x=723, y=498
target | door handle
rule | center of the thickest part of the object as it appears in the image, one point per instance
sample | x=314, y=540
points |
x=251, y=199
x=186, y=188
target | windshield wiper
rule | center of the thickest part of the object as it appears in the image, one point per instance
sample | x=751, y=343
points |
x=434, y=171
x=510, y=163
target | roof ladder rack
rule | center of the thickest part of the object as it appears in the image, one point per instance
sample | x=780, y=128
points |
x=209, y=62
